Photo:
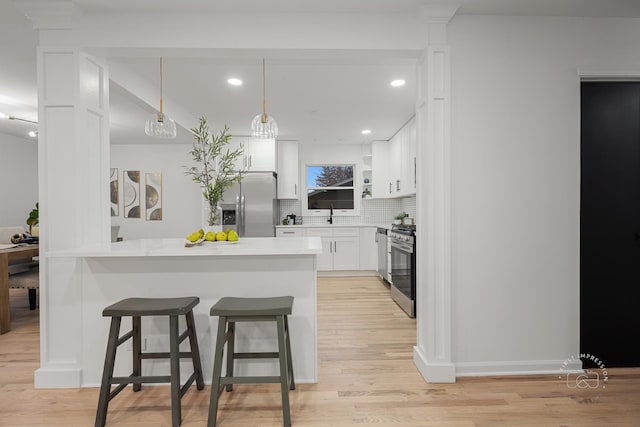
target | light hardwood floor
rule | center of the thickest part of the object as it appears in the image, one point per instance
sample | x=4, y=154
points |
x=366, y=376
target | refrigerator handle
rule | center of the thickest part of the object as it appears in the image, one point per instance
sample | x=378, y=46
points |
x=242, y=214
x=238, y=218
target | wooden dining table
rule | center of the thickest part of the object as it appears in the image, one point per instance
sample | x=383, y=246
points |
x=17, y=255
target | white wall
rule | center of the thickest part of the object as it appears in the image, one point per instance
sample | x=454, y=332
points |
x=516, y=183
x=182, y=200
x=19, y=178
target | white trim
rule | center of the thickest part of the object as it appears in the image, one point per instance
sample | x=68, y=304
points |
x=433, y=354
x=347, y=273
x=608, y=73
x=433, y=372
x=60, y=375
x=519, y=367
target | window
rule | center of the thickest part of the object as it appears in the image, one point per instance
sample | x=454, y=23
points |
x=330, y=186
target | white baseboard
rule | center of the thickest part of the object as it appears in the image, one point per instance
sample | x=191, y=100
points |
x=348, y=273
x=521, y=367
x=63, y=377
x=433, y=372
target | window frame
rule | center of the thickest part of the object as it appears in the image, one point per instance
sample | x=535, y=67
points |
x=336, y=212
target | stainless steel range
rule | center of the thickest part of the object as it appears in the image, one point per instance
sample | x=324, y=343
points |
x=403, y=267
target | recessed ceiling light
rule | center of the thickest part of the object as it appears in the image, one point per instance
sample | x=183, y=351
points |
x=32, y=133
x=398, y=83
x=234, y=81
x=366, y=131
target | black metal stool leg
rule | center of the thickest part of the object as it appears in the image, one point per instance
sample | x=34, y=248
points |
x=292, y=384
x=174, y=360
x=195, y=350
x=137, y=349
x=107, y=373
x=231, y=351
x=284, y=371
x=217, y=371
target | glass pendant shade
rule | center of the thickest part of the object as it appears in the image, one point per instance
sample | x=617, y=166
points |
x=160, y=125
x=264, y=126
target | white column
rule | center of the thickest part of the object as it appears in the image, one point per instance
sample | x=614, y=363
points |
x=73, y=180
x=432, y=354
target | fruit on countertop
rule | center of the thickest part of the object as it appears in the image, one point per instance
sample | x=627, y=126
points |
x=210, y=236
x=193, y=237
x=221, y=236
x=232, y=236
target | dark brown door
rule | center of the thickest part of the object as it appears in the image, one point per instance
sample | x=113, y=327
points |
x=610, y=222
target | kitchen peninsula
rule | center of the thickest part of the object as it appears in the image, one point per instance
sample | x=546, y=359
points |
x=251, y=267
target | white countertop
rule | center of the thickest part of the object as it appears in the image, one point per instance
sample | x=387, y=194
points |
x=246, y=246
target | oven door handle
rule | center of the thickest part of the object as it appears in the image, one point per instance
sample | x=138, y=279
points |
x=402, y=247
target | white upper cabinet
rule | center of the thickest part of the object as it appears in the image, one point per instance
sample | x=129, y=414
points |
x=258, y=155
x=235, y=143
x=261, y=155
x=396, y=167
x=288, y=168
x=380, y=187
x=412, y=157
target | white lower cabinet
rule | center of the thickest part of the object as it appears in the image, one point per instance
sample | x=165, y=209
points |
x=343, y=248
x=340, y=248
x=368, y=249
x=346, y=253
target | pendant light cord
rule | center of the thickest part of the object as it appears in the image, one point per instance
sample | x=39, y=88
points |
x=264, y=94
x=161, y=114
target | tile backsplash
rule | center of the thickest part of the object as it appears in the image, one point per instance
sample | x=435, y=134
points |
x=372, y=211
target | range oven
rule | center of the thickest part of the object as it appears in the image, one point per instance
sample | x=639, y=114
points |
x=403, y=268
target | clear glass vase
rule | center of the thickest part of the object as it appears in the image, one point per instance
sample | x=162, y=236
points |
x=212, y=220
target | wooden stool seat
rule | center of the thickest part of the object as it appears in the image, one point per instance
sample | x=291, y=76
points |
x=231, y=310
x=151, y=307
x=274, y=306
x=137, y=308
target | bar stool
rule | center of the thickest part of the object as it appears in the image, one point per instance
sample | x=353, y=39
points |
x=231, y=310
x=136, y=308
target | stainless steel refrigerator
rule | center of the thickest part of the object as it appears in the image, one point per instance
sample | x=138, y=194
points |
x=251, y=207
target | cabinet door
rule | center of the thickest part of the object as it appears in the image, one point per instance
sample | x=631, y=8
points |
x=380, y=169
x=368, y=249
x=239, y=142
x=412, y=157
x=261, y=155
x=325, y=259
x=395, y=164
x=346, y=253
x=288, y=170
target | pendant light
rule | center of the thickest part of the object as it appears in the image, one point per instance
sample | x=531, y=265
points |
x=263, y=125
x=159, y=124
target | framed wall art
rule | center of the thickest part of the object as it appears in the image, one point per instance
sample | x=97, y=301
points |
x=131, y=190
x=153, y=196
x=114, y=193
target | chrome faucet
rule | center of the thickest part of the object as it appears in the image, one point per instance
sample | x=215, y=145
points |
x=330, y=220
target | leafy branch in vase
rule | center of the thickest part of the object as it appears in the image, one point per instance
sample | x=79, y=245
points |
x=214, y=171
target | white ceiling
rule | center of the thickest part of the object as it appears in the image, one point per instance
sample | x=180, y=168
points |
x=313, y=100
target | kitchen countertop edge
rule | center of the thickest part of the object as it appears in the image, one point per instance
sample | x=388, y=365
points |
x=258, y=246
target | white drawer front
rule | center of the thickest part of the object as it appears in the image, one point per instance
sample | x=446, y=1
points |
x=287, y=232
x=319, y=232
x=346, y=232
